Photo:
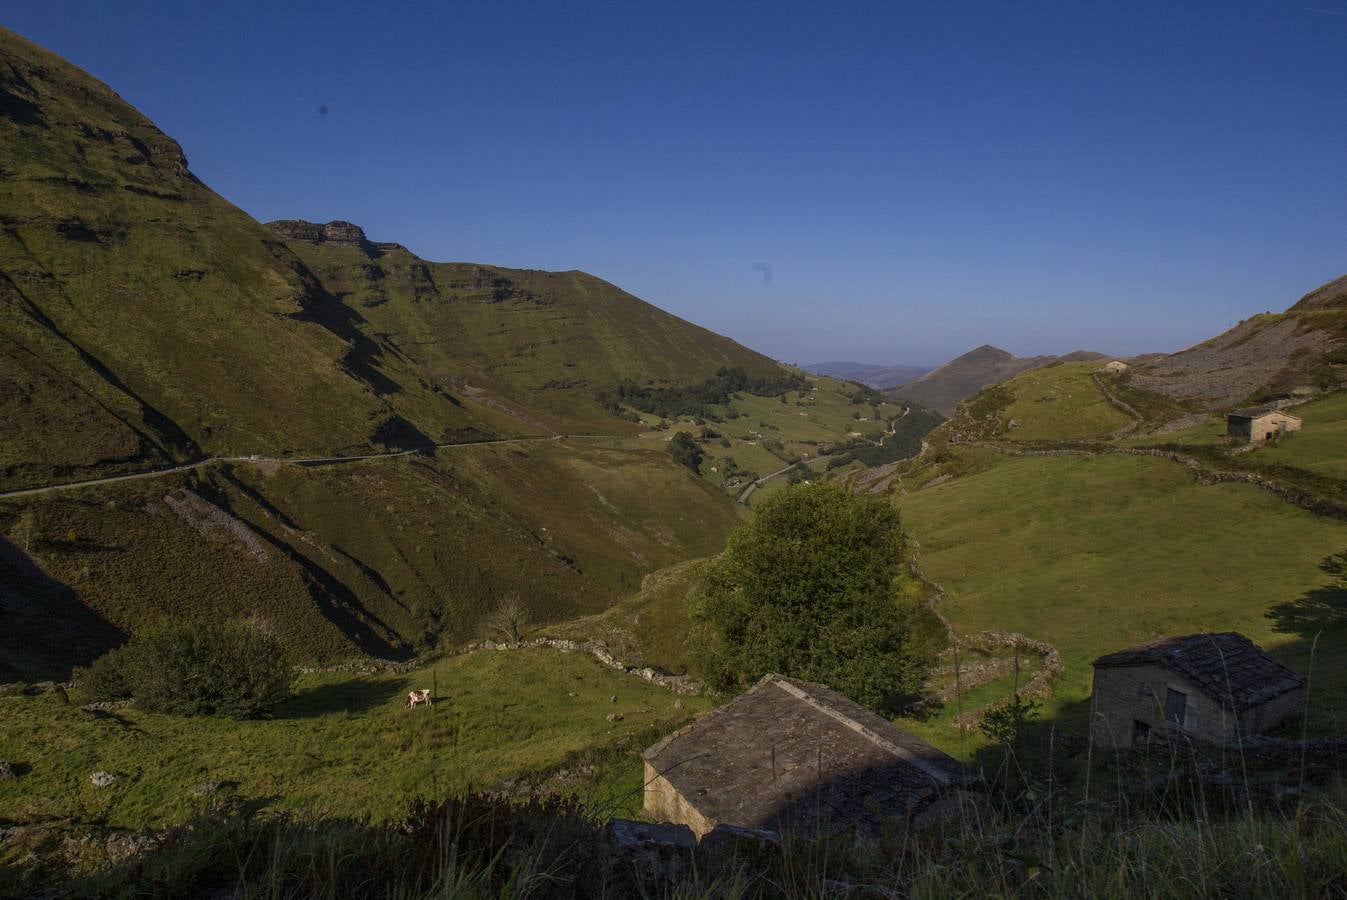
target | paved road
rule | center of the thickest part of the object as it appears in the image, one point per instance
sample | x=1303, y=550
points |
x=755, y=483
x=286, y=460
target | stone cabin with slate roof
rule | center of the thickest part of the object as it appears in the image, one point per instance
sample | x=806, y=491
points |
x=1260, y=424
x=1212, y=687
x=793, y=755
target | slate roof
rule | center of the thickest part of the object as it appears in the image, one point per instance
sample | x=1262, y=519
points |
x=1253, y=412
x=1226, y=666
x=793, y=753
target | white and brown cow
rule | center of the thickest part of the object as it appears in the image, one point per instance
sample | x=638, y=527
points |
x=421, y=696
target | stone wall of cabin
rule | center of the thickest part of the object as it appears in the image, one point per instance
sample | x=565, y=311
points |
x=1257, y=429
x=663, y=803
x=1124, y=695
x=1273, y=422
x=1269, y=715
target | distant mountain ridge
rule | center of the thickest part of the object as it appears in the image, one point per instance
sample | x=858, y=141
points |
x=942, y=388
x=878, y=377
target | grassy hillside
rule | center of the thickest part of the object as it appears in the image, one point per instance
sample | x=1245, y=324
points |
x=142, y=317
x=546, y=341
x=145, y=320
x=1097, y=553
x=1061, y=402
x=345, y=744
x=1054, y=529
x=963, y=376
x=384, y=556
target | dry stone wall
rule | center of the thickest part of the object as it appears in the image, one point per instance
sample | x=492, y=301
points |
x=678, y=684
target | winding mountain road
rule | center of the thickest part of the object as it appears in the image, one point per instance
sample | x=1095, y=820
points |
x=278, y=460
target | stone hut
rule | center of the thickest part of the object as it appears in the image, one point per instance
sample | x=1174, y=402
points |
x=792, y=754
x=1212, y=687
x=1113, y=367
x=1259, y=424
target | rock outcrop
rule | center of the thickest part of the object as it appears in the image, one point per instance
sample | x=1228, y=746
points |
x=334, y=232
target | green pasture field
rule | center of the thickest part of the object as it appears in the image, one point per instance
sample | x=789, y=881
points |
x=345, y=744
x=1321, y=444
x=1095, y=554
x=1061, y=403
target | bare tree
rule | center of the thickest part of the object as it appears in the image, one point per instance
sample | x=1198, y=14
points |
x=510, y=618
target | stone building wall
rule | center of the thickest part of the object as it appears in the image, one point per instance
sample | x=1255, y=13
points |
x=663, y=803
x=1128, y=694
x=1269, y=715
x=1125, y=695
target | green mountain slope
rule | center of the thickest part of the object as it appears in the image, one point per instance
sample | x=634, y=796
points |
x=142, y=317
x=1075, y=507
x=144, y=320
x=542, y=340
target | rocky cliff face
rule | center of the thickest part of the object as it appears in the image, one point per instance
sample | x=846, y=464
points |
x=335, y=232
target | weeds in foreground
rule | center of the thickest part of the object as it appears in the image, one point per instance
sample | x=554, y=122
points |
x=1172, y=835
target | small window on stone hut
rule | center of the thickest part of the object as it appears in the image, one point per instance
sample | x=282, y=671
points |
x=1176, y=707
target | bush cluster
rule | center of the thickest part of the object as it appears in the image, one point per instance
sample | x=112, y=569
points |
x=238, y=670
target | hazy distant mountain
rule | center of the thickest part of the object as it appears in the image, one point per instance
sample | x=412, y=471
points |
x=881, y=377
x=942, y=388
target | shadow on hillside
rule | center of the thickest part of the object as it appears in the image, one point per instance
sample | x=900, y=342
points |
x=353, y=695
x=45, y=628
x=1323, y=609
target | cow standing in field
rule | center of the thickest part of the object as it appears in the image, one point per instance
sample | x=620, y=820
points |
x=421, y=696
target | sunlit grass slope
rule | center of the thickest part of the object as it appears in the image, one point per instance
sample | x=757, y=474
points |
x=651, y=627
x=546, y=340
x=345, y=744
x=143, y=316
x=1097, y=553
x=1061, y=402
x=1321, y=445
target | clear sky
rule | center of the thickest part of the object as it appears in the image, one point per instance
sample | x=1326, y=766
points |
x=892, y=183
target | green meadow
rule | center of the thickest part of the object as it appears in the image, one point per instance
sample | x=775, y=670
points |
x=1321, y=445
x=1093, y=554
x=1061, y=403
x=346, y=745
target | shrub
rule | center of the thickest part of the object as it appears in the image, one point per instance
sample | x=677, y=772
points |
x=238, y=670
x=814, y=586
x=685, y=451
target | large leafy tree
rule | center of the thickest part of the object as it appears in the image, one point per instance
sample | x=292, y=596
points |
x=814, y=586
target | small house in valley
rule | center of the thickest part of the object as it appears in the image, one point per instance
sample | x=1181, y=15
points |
x=795, y=755
x=1212, y=687
x=1260, y=424
x=1114, y=367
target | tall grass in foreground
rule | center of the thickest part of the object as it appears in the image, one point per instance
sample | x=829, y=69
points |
x=1177, y=841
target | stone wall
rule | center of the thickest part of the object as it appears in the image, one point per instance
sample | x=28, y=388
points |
x=663, y=803
x=679, y=684
x=1127, y=694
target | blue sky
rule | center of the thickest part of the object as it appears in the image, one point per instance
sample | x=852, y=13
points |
x=893, y=183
